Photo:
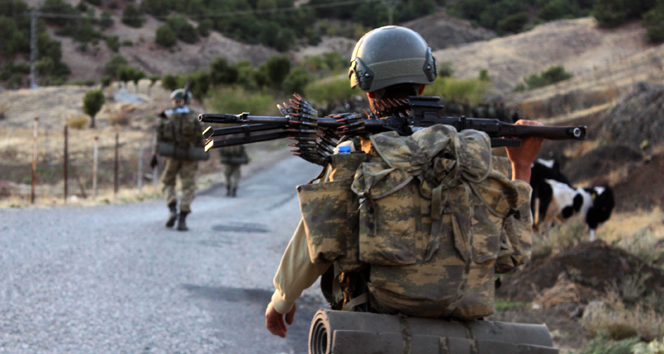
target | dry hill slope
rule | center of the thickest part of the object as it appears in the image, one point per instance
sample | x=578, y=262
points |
x=579, y=45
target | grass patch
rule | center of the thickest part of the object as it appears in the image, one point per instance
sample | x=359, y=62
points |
x=471, y=90
x=504, y=305
x=333, y=89
x=238, y=100
x=77, y=121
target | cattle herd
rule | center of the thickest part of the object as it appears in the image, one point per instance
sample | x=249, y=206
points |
x=556, y=200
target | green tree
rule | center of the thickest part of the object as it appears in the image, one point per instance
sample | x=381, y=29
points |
x=92, y=103
x=132, y=17
x=125, y=74
x=222, y=73
x=111, y=66
x=653, y=21
x=183, y=30
x=276, y=70
x=296, y=81
x=550, y=76
x=513, y=23
x=610, y=13
x=199, y=84
x=106, y=81
x=165, y=37
x=204, y=27
x=113, y=43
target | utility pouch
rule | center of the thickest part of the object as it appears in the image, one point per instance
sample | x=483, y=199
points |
x=328, y=209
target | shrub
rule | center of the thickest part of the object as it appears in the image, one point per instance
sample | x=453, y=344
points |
x=276, y=70
x=204, y=27
x=127, y=43
x=111, y=66
x=77, y=121
x=113, y=43
x=222, y=73
x=611, y=13
x=653, y=21
x=170, y=82
x=296, y=81
x=15, y=82
x=335, y=61
x=199, y=84
x=94, y=2
x=106, y=81
x=235, y=99
x=92, y=103
x=484, y=75
x=165, y=37
x=132, y=17
x=550, y=76
x=445, y=69
x=183, y=30
x=513, y=23
x=118, y=118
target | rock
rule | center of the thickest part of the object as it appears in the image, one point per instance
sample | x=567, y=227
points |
x=637, y=117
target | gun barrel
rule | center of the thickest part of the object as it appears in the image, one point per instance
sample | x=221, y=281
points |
x=551, y=133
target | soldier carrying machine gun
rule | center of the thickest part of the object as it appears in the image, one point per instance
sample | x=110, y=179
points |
x=316, y=137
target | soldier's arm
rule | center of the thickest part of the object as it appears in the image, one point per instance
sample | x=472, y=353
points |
x=200, y=140
x=516, y=241
x=295, y=274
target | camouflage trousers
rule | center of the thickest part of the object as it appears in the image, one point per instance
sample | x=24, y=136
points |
x=186, y=169
x=232, y=173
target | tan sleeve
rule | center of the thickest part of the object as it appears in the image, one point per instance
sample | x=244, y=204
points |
x=296, y=272
x=517, y=237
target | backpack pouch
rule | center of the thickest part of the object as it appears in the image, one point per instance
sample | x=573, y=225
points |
x=389, y=210
x=325, y=208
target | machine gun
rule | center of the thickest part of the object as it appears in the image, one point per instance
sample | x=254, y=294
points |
x=315, y=138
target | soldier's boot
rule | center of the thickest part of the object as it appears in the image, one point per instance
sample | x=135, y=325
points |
x=173, y=215
x=182, y=225
x=228, y=191
x=234, y=192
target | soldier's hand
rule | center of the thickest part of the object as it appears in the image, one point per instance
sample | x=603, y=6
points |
x=523, y=157
x=154, y=161
x=274, y=321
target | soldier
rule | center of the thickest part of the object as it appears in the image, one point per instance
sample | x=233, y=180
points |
x=394, y=63
x=179, y=133
x=233, y=157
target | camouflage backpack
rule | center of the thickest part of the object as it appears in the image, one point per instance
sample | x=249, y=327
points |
x=180, y=135
x=426, y=213
x=234, y=155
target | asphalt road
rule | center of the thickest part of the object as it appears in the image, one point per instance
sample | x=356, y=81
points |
x=113, y=279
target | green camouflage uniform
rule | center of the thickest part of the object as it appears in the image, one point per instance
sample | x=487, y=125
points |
x=182, y=128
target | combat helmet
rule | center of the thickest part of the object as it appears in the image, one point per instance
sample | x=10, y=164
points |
x=391, y=55
x=179, y=95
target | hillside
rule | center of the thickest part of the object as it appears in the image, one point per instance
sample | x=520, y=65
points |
x=579, y=45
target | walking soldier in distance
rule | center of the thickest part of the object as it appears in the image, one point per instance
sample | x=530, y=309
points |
x=415, y=225
x=233, y=157
x=180, y=142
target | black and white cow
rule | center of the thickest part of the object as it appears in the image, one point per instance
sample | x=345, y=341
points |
x=554, y=199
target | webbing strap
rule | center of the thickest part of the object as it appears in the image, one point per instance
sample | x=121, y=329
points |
x=350, y=305
x=474, y=347
x=407, y=335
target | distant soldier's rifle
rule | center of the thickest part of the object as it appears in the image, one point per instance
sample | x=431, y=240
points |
x=301, y=124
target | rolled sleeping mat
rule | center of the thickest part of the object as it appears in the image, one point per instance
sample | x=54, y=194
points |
x=345, y=332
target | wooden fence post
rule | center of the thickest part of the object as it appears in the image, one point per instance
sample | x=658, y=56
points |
x=117, y=164
x=66, y=163
x=95, y=167
x=140, y=168
x=34, y=161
